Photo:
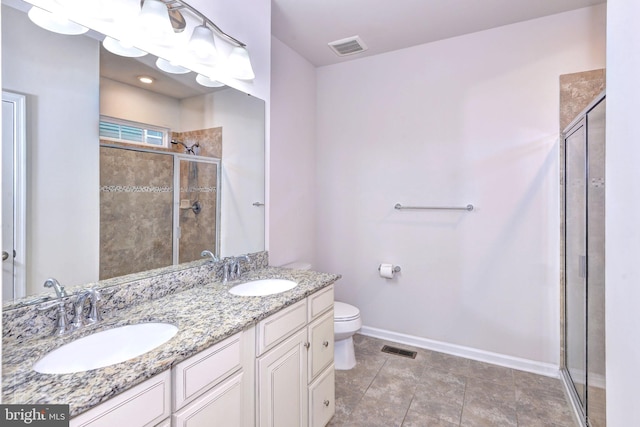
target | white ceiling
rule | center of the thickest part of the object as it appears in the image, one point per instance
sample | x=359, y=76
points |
x=307, y=26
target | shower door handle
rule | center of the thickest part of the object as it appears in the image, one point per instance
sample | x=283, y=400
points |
x=582, y=266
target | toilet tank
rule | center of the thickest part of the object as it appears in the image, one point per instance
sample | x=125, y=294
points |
x=298, y=265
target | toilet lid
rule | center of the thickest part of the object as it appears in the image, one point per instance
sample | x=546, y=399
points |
x=343, y=311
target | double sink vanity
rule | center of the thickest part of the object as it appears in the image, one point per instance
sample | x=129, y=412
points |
x=184, y=348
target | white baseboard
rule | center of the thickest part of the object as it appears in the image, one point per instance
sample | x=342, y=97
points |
x=546, y=369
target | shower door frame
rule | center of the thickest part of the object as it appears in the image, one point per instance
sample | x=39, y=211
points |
x=176, y=200
x=581, y=411
x=175, y=240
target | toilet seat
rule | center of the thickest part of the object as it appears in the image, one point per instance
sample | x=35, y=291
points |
x=343, y=312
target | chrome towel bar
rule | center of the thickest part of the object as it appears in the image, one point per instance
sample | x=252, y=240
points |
x=468, y=208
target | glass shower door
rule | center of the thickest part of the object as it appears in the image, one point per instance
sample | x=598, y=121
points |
x=576, y=259
x=596, y=379
x=197, y=201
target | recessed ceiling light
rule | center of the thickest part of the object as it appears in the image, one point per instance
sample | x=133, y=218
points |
x=146, y=79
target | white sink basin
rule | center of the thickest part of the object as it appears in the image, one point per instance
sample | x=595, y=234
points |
x=259, y=288
x=105, y=348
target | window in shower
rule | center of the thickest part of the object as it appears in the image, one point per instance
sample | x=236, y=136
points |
x=119, y=130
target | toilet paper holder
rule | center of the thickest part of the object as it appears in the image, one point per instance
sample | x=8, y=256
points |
x=396, y=268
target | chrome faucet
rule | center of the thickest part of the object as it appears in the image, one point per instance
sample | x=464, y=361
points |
x=79, y=320
x=209, y=254
x=231, y=267
x=78, y=310
x=78, y=307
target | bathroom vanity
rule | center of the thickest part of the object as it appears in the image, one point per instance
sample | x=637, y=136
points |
x=240, y=360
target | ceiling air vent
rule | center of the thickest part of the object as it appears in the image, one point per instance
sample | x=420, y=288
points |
x=348, y=46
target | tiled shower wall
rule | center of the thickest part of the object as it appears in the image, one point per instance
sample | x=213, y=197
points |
x=136, y=219
x=136, y=205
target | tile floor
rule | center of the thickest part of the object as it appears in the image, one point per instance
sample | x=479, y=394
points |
x=436, y=389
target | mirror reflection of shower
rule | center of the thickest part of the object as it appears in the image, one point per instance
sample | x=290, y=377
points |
x=192, y=203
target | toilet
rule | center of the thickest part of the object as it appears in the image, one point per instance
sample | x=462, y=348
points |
x=346, y=322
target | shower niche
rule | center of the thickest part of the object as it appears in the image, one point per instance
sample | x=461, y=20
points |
x=156, y=208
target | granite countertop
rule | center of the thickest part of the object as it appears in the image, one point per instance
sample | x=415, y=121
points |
x=204, y=316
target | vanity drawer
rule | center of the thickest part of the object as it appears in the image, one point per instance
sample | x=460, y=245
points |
x=141, y=406
x=322, y=398
x=193, y=376
x=280, y=325
x=321, y=345
x=320, y=302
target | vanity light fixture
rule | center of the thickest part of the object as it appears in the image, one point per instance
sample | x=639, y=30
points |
x=157, y=27
x=239, y=64
x=208, y=82
x=154, y=21
x=145, y=79
x=122, y=49
x=202, y=45
x=170, y=67
x=55, y=21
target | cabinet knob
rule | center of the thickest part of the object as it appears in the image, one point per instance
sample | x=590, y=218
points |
x=326, y=403
x=326, y=343
x=307, y=345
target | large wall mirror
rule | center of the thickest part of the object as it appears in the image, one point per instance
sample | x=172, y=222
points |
x=92, y=206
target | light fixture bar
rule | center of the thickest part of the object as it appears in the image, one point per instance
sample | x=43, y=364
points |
x=184, y=4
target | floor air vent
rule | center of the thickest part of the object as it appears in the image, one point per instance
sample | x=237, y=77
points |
x=399, y=351
x=348, y=46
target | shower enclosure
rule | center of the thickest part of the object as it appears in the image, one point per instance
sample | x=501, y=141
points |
x=584, y=258
x=156, y=209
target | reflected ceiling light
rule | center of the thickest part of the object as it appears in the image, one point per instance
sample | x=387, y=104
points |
x=206, y=81
x=154, y=21
x=202, y=45
x=239, y=64
x=54, y=22
x=170, y=67
x=122, y=49
x=145, y=79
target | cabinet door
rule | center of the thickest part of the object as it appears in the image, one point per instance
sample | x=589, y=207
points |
x=321, y=344
x=141, y=406
x=282, y=384
x=322, y=394
x=220, y=406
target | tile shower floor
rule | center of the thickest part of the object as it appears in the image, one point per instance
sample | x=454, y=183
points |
x=436, y=389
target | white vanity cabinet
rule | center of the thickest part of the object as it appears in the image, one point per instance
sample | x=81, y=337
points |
x=208, y=387
x=294, y=366
x=278, y=373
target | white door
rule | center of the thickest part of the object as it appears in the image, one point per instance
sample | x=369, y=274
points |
x=13, y=196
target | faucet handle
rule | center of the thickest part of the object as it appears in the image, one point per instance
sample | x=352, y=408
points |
x=53, y=283
x=62, y=325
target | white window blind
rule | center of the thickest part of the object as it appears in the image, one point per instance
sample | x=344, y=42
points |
x=133, y=133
